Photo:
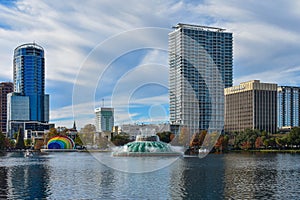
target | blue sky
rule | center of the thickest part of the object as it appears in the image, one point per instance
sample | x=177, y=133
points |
x=79, y=36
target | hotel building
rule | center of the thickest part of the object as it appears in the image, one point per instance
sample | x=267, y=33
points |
x=200, y=60
x=251, y=105
x=104, y=119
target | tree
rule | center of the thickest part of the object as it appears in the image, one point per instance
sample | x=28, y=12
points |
x=202, y=136
x=120, y=139
x=246, y=145
x=2, y=141
x=28, y=142
x=20, y=140
x=222, y=143
x=78, y=140
x=87, y=134
x=184, y=136
x=259, y=143
x=165, y=136
x=194, y=143
x=294, y=136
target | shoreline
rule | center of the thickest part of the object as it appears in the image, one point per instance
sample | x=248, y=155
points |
x=267, y=151
x=292, y=151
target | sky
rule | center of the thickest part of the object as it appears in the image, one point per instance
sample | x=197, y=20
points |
x=114, y=53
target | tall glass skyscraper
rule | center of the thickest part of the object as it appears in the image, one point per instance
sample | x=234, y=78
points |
x=29, y=79
x=288, y=106
x=200, y=60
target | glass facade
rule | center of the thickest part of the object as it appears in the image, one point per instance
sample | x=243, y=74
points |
x=29, y=79
x=200, y=60
x=104, y=119
x=288, y=106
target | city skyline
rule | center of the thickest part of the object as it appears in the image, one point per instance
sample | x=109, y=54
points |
x=266, y=43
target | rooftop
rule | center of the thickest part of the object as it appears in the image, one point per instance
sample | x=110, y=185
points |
x=206, y=28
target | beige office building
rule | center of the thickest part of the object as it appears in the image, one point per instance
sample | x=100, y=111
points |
x=251, y=105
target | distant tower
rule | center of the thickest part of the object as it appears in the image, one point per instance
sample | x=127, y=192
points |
x=5, y=88
x=29, y=79
x=104, y=119
x=200, y=60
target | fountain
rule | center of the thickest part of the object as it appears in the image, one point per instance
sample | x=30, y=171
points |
x=146, y=146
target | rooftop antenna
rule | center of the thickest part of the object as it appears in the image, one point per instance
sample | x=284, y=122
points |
x=102, y=102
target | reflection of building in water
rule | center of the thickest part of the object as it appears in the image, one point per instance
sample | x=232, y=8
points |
x=27, y=182
x=199, y=178
x=3, y=183
x=248, y=177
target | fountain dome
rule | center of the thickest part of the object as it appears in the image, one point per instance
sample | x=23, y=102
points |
x=146, y=146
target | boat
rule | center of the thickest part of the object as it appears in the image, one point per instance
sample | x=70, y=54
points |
x=28, y=153
x=204, y=151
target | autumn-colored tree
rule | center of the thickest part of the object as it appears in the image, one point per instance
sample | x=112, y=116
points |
x=259, y=143
x=246, y=145
x=194, y=143
x=210, y=140
x=202, y=137
x=219, y=146
x=184, y=136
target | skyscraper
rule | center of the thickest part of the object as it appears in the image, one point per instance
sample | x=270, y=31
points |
x=200, y=60
x=251, y=105
x=288, y=106
x=104, y=119
x=5, y=88
x=29, y=79
x=28, y=105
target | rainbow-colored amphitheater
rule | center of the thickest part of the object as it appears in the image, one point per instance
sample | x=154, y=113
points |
x=60, y=142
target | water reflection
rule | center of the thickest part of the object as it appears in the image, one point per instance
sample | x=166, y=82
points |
x=261, y=176
x=199, y=178
x=3, y=183
x=217, y=176
x=23, y=178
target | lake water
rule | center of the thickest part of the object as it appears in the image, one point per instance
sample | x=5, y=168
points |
x=217, y=176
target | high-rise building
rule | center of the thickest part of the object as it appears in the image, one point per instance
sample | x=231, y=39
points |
x=104, y=119
x=5, y=88
x=29, y=79
x=251, y=105
x=28, y=103
x=200, y=60
x=288, y=106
